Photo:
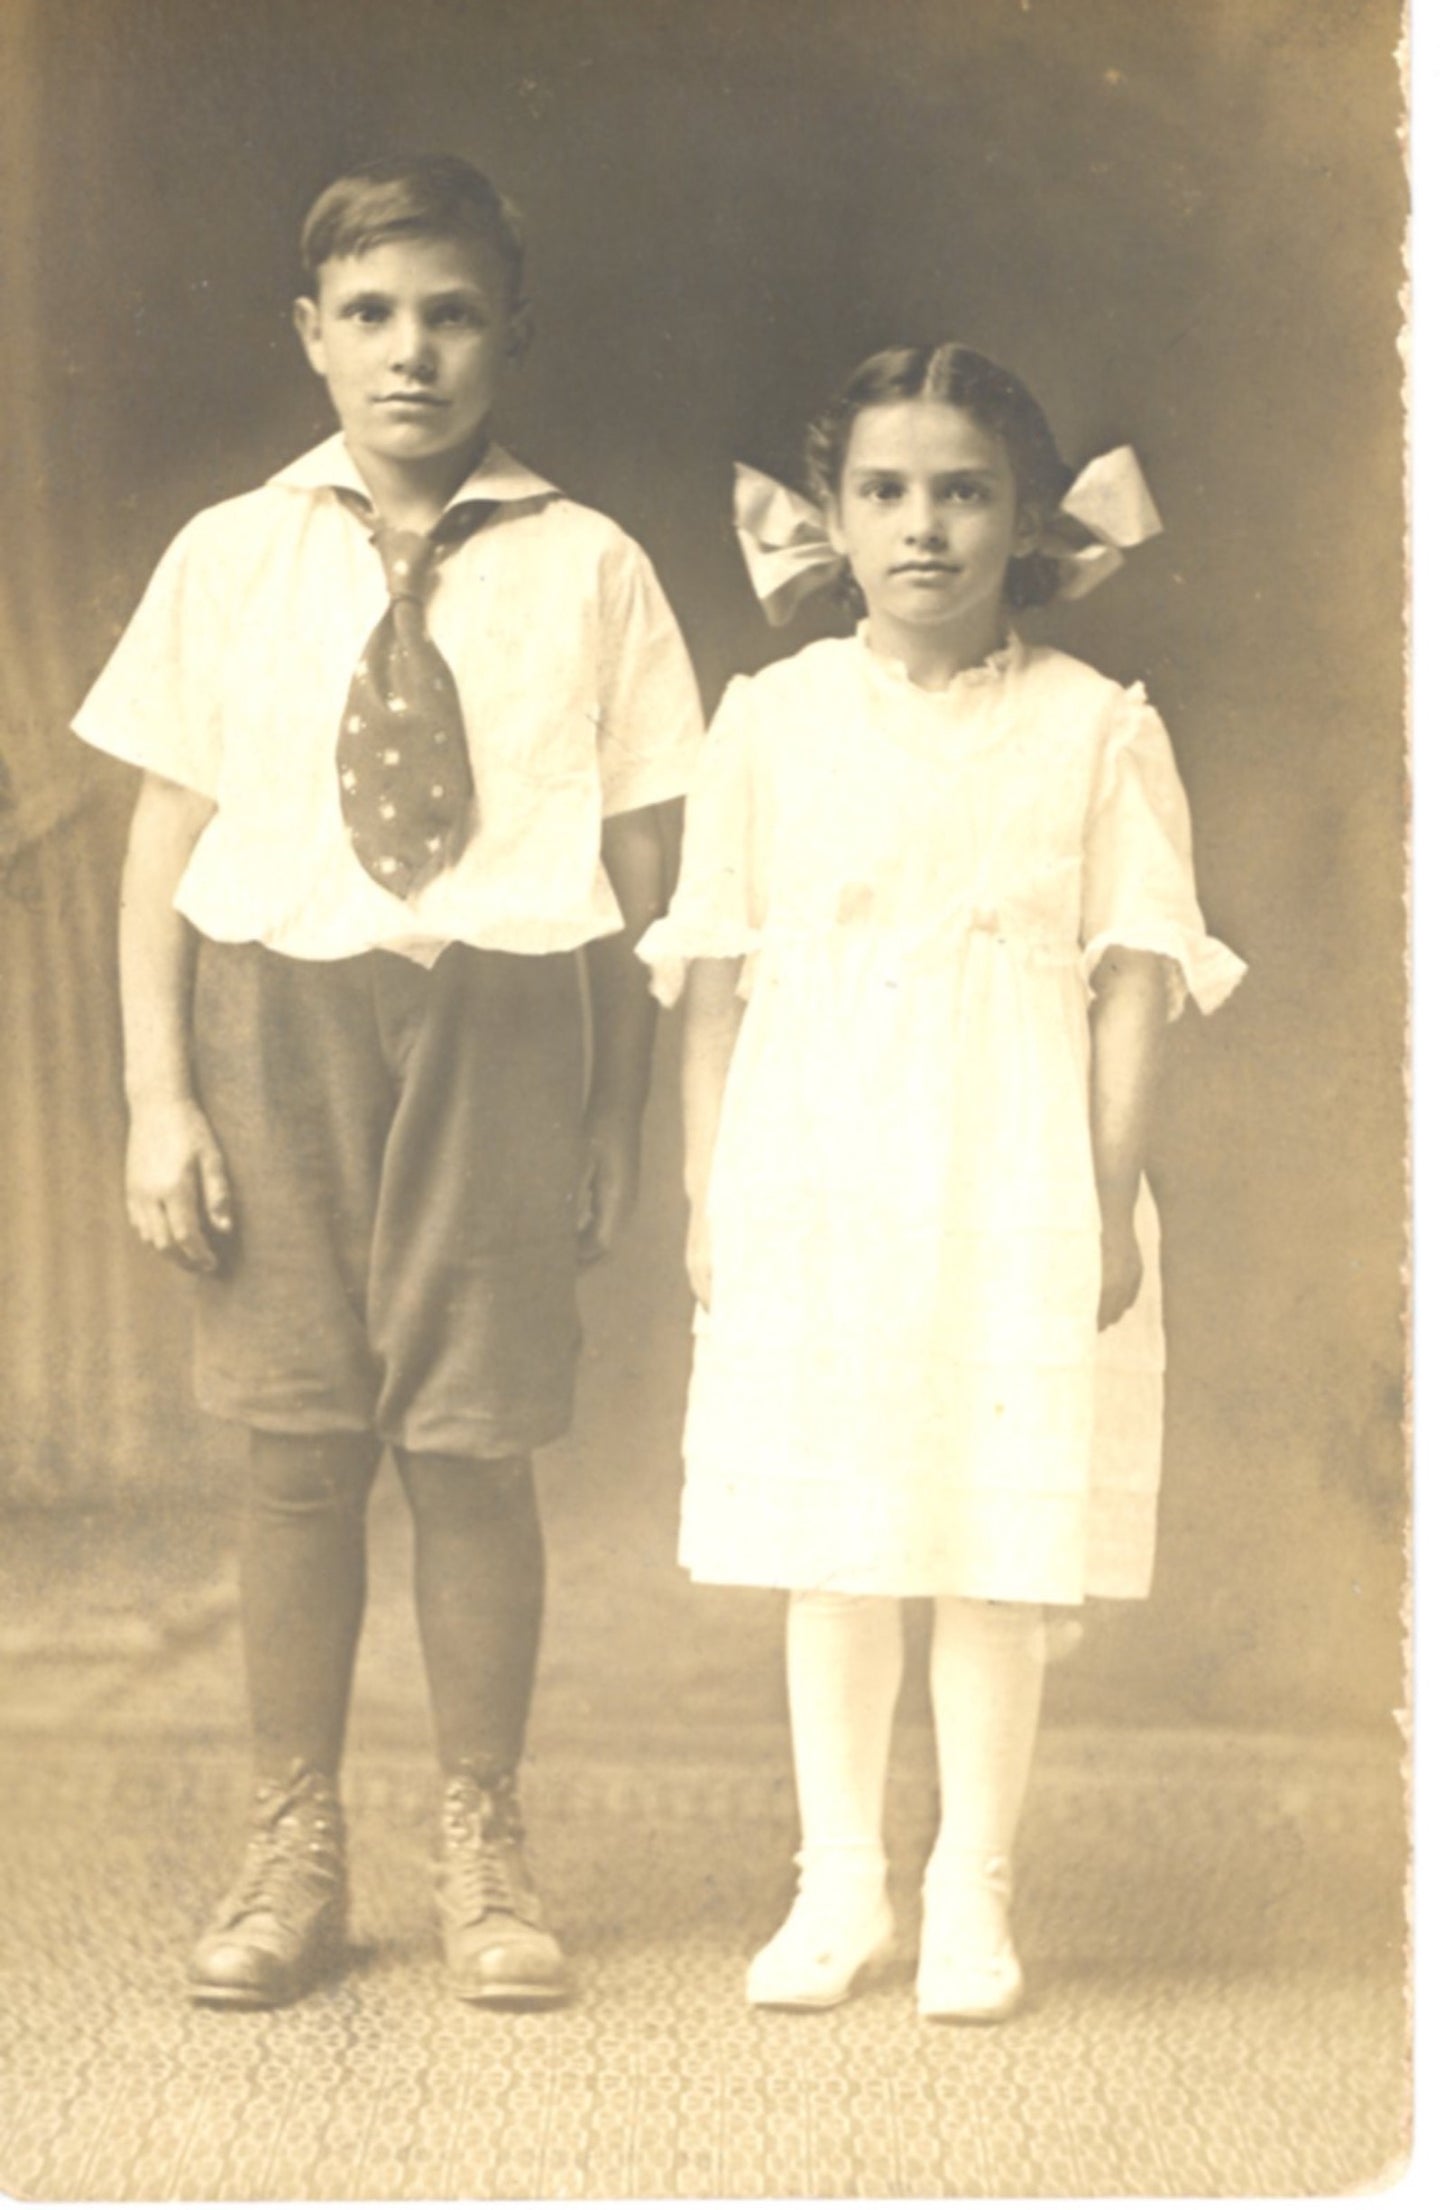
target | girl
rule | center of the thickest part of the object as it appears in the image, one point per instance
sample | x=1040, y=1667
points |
x=937, y=905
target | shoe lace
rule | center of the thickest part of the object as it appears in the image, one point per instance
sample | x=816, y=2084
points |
x=484, y=1838
x=292, y=1850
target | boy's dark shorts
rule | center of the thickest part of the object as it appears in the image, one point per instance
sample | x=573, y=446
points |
x=404, y=1147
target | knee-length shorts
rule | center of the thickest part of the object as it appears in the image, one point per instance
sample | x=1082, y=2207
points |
x=403, y=1144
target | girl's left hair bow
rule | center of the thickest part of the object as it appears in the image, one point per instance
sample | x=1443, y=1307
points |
x=789, y=555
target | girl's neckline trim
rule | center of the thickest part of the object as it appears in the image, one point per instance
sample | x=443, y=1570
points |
x=998, y=664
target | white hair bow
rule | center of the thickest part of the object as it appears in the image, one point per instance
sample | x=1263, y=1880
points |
x=788, y=554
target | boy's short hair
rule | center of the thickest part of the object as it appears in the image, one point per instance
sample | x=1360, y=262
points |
x=420, y=196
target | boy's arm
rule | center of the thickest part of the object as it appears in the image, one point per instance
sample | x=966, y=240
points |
x=1128, y=1020
x=638, y=851
x=177, y=1193
x=713, y=1016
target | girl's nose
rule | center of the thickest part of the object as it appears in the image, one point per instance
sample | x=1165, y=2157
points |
x=923, y=522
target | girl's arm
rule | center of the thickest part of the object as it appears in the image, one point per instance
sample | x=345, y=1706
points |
x=637, y=849
x=177, y=1193
x=1129, y=1012
x=713, y=1015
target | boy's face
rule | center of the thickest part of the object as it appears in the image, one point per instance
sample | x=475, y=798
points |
x=413, y=339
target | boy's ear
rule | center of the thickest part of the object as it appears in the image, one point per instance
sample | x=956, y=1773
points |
x=521, y=329
x=306, y=321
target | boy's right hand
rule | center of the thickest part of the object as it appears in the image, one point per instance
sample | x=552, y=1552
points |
x=699, y=1255
x=177, y=1191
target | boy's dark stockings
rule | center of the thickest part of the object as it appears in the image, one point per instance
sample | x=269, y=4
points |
x=480, y=1574
x=480, y=1583
x=303, y=1592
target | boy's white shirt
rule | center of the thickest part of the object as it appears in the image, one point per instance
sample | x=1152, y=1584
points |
x=231, y=678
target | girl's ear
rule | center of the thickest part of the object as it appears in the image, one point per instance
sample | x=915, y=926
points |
x=1028, y=532
x=306, y=320
x=521, y=329
x=833, y=524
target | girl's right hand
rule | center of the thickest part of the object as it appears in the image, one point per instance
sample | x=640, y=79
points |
x=1122, y=1269
x=177, y=1192
x=699, y=1255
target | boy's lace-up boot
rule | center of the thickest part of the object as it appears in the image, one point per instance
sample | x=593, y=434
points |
x=283, y=1924
x=498, y=1948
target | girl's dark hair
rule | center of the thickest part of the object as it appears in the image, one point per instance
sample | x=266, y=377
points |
x=991, y=397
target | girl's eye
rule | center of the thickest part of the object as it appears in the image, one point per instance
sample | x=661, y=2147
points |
x=884, y=493
x=968, y=494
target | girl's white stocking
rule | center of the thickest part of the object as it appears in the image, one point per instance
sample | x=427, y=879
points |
x=845, y=1665
x=986, y=1675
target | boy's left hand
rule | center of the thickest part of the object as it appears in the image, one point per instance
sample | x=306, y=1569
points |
x=607, y=1191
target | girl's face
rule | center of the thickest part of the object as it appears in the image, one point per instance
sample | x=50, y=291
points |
x=927, y=516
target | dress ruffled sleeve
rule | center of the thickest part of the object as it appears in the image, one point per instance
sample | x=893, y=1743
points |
x=1138, y=889
x=721, y=900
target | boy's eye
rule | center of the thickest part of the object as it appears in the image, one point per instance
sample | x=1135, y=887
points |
x=367, y=311
x=457, y=315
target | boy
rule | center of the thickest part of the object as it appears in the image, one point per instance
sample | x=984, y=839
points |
x=405, y=716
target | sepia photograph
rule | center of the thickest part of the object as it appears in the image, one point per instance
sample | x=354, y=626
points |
x=705, y=1474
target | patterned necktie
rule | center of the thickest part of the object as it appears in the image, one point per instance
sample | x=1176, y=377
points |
x=406, y=779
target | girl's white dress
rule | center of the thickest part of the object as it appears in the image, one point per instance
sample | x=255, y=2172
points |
x=899, y=1387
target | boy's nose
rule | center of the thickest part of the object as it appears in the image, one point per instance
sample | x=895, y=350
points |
x=413, y=350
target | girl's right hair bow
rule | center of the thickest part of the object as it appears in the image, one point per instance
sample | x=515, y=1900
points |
x=788, y=554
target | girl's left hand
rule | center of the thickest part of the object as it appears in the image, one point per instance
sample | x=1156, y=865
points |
x=1122, y=1272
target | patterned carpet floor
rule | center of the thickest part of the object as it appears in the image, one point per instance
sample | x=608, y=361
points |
x=1213, y=1930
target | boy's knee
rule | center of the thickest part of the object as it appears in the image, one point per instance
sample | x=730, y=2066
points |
x=491, y=1488
x=311, y=1474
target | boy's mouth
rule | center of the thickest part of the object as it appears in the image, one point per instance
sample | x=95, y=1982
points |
x=410, y=399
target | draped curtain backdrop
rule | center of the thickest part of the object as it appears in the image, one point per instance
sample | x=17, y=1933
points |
x=1179, y=219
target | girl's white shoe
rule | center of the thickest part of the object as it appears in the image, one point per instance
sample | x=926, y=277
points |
x=840, y=1924
x=968, y=1968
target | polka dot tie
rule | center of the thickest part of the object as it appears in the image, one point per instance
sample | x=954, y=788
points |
x=406, y=779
